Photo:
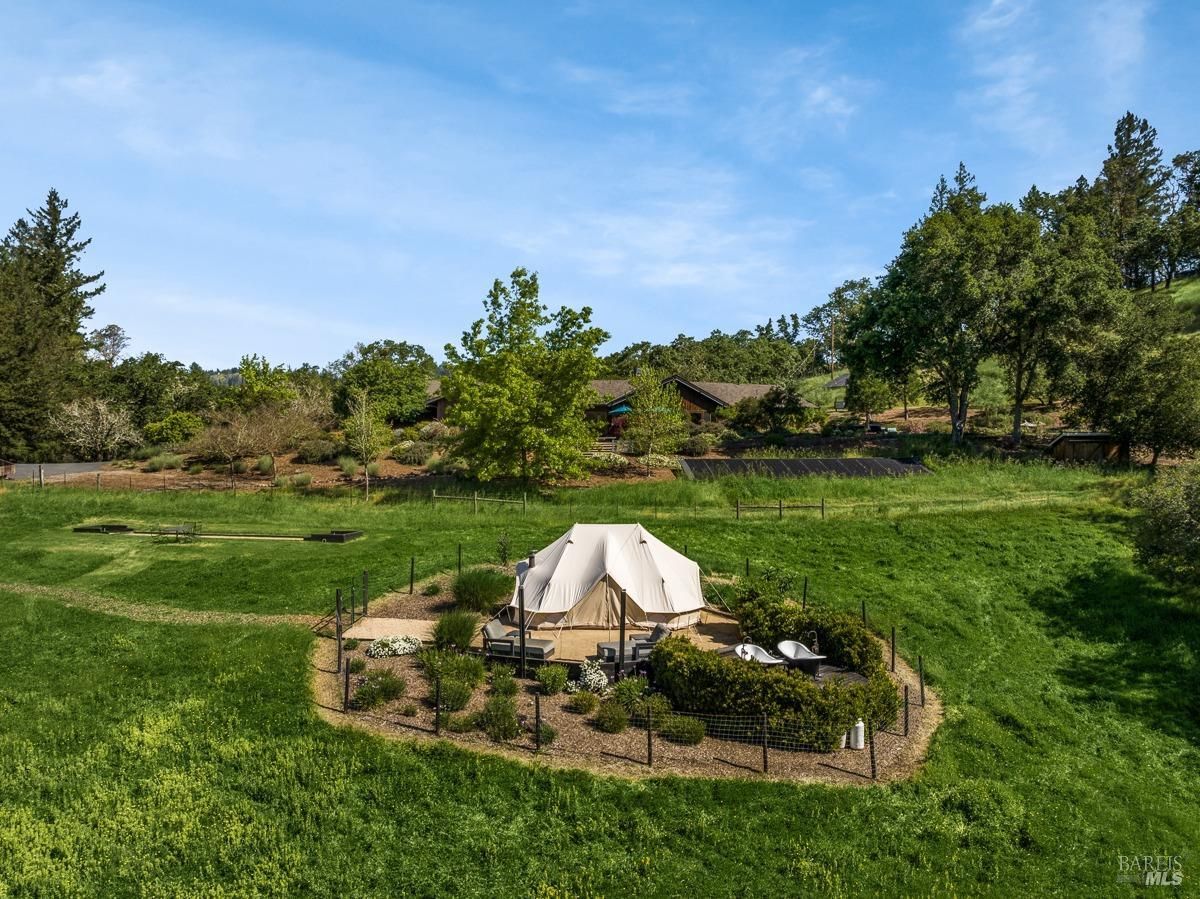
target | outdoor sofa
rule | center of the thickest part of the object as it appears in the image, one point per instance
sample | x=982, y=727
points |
x=500, y=642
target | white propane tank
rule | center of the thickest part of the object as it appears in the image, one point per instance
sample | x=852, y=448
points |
x=858, y=736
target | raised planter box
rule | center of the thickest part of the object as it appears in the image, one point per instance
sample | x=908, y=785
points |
x=336, y=536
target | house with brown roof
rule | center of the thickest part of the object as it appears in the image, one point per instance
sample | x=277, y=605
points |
x=701, y=399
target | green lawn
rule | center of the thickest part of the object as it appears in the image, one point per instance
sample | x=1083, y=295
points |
x=180, y=759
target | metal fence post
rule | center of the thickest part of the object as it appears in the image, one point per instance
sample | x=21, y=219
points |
x=475, y=503
x=353, y=604
x=822, y=508
x=412, y=570
x=524, y=506
x=906, y=710
x=921, y=677
x=338, y=620
x=737, y=508
x=437, y=706
x=537, y=721
x=747, y=566
x=764, y=742
x=460, y=558
x=649, y=736
x=365, y=592
x=781, y=510
x=871, y=743
x=893, y=647
x=346, y=686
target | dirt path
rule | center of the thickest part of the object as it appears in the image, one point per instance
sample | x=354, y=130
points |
x=108, y=605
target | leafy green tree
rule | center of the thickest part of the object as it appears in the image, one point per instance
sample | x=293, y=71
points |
x=784, y=408
x=395, y=374
x=936, y=305
x=1055, y=290
x=175, y=430
x=263, y=384
x=1141, y=380
x=366, y=435
x=656, y=422
x=108, y=343
x=520, y=384
x=868, y=395
x=1167, y=533
x=831, y=321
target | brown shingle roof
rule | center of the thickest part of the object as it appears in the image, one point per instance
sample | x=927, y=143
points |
x=612, y=388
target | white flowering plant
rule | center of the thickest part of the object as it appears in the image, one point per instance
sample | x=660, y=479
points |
x=591, y=679
x=393, y=646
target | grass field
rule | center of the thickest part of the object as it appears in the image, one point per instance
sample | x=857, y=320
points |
x=185, y=758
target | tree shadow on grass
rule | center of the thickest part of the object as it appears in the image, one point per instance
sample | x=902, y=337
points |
x=1144, y=639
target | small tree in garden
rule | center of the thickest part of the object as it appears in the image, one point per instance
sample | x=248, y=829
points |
x=366, y=435
x=230, y=437
x=867, y=394
x=656, y=420
x=1168, y=532
x=95, y=428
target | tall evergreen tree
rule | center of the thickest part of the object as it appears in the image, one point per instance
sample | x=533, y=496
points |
x=1132, y=186
x=44, y=300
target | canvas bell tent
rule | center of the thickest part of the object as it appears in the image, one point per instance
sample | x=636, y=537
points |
x=577, y=580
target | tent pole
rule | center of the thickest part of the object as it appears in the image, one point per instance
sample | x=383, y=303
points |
x=521, y=617
x=621, y=640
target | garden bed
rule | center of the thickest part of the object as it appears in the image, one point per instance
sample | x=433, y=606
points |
x=580, y=744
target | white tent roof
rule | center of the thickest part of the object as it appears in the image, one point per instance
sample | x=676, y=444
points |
x=660, y=583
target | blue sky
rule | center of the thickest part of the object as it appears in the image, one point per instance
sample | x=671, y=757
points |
x=291, y=177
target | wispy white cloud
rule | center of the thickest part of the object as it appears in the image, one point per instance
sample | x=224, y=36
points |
x=1116, y=32
x=625, y=94
x=796, y=94
x=1011, y=72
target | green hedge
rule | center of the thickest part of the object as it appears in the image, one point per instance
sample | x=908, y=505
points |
x=843, y=638
x=800, y=711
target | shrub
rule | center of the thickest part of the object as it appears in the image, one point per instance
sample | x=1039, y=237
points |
x=682, y=729
x=498, y=719
x=196, y=468
x=385, y=647
x=348, y=466
x=434, y=431
x=460, y=724
x=583, y=703
x=373, y=469
x=265, y=464
x=1167, y=533
x=766, y=620
x=503, y=682
x=409, y=710
x=657, y=706
x=801, y=710
x=301, y=480
x=164, y=461
x=455, y=694
x=455, y=630
x=553, y=679
x=657, y=460
x=142, y=453
x=351, y=643
x=357, y=665
x=413, y=452
x=607, y=462
x=240, y=466
x=696, y=445
x=282, y=481
x=378, y=687
x=503, y=548
x=451, y=666
x=481, y=589
x=315, y=452
x=177, y=428
x=628, y=692
x=611, y=717
x=547, y=735
x=433, y=588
